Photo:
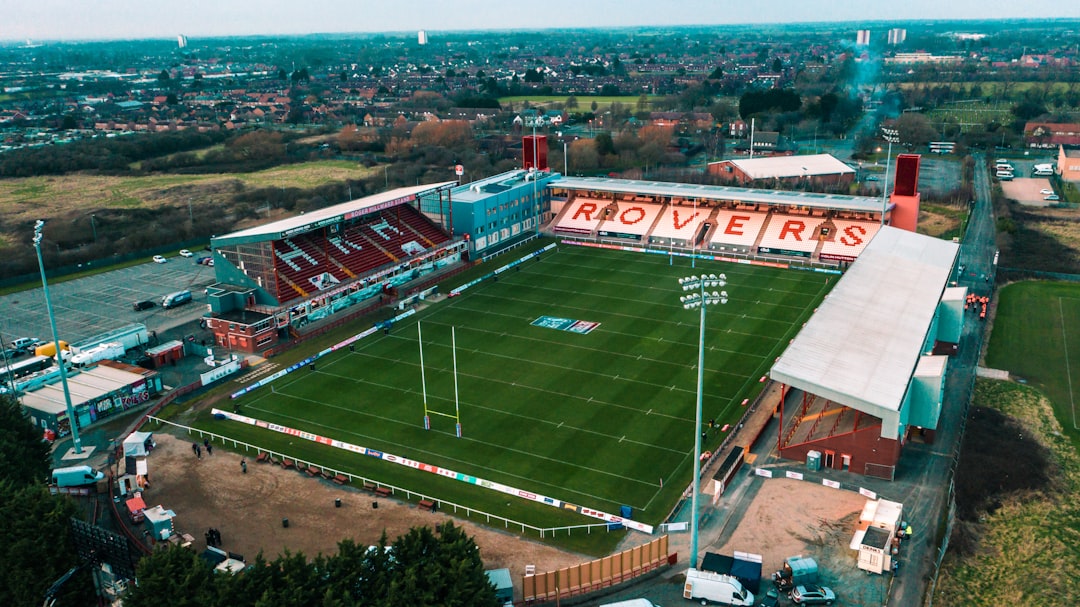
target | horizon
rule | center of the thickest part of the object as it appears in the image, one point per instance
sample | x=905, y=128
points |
x=57, y=21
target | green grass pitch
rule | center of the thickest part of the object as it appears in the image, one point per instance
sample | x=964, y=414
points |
x=602, y=419
x=1036, y=336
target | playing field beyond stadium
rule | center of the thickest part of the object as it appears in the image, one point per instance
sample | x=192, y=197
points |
x=601, y=419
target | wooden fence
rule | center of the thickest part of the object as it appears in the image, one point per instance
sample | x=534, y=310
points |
x=596, y=575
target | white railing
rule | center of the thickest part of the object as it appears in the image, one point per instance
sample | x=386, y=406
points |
x=368, y=483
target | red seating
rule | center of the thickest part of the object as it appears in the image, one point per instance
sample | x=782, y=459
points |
x=361, y=248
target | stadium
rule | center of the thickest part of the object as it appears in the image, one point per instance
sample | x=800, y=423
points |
x=561, y=370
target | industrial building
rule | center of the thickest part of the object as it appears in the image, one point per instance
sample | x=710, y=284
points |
x=789, y=171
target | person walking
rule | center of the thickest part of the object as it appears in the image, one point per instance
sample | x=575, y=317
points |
x=198, y=451
x=243, y=465
x=195, y=448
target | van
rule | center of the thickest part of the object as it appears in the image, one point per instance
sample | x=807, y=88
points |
x=1004, y=175
x=1003, y=166
x=176, y=299
x=75, y=476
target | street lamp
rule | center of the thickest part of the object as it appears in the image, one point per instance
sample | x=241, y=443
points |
x=76, y=443
x=700, y=298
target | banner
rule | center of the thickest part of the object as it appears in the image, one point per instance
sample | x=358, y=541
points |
x=416, y=465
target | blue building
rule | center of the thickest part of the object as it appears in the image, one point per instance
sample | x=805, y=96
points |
x=500, y=211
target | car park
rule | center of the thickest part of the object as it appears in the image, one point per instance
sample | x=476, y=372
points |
x=145, y=304
x=185, y=253
x=812, y=595
x=159, y=259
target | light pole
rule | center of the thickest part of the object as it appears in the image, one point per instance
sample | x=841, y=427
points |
x=93, y=226
x=73, y=422
x=890, y=135
x=699, y=298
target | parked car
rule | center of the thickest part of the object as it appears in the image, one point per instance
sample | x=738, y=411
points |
x=812, y=595
x=25, y=344
x=185, y=253
x=1046, y=191
x=159, y=259
x=1052, y=197
x=872, y=178
x=771, y=598
x=145, y=304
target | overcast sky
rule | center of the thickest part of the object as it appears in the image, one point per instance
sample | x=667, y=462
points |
x=41, y=20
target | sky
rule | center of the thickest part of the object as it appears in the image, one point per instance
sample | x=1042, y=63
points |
x=44, y=20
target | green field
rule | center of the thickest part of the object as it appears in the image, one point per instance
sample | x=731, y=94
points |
x=1037, y=337
x=601, y=419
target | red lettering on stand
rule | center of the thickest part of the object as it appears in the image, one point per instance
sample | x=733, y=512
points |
x=735, y=224
x=641, y=215
x=793, y=227
x=587, y=208
x=850, y=238
x=679, y=226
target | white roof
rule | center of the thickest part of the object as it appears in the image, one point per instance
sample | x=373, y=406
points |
x=862, y=345
x=776, y=167
x=336, y=212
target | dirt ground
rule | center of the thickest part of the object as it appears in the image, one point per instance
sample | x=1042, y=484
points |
x=790, y=517
x=248, y=510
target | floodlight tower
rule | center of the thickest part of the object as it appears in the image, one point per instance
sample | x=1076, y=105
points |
x=72, y=420
x=700, y=298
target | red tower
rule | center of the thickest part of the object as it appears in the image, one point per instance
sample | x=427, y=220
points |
x=534, y=150
x=905, y=195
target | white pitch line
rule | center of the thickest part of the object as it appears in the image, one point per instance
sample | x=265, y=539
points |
x=1068, y=371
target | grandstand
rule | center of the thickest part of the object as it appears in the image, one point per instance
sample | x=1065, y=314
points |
x=300, y=269
x=861, y=377
x=828, y=229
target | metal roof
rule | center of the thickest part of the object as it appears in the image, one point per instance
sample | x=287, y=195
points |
x=717, y=192
x=299, y=224
x=863, y=344
x=776, y=167
x=86, y=385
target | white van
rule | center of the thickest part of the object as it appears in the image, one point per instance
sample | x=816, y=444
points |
x=75, y=476
x=1004, y=175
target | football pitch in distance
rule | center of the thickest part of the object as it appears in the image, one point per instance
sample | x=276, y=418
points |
x=600, y=419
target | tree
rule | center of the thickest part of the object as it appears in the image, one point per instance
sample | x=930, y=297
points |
x=176, y=573
x=24, y=456
x=915, y=129
x=777, y=65
x=605, y=145
x=571, y=103
x=35, y=528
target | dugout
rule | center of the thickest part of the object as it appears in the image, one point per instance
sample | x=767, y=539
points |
x=504, y=585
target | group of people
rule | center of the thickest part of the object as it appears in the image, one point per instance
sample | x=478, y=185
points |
x=977, y=302
x=213, y=537
x=197, y=449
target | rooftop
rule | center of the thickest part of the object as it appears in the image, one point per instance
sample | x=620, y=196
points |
x=863, y=344
x=333, y=214
x=720, y=193
x=792, y=166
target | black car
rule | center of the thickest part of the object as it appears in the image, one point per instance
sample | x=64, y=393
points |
x=145, y=304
